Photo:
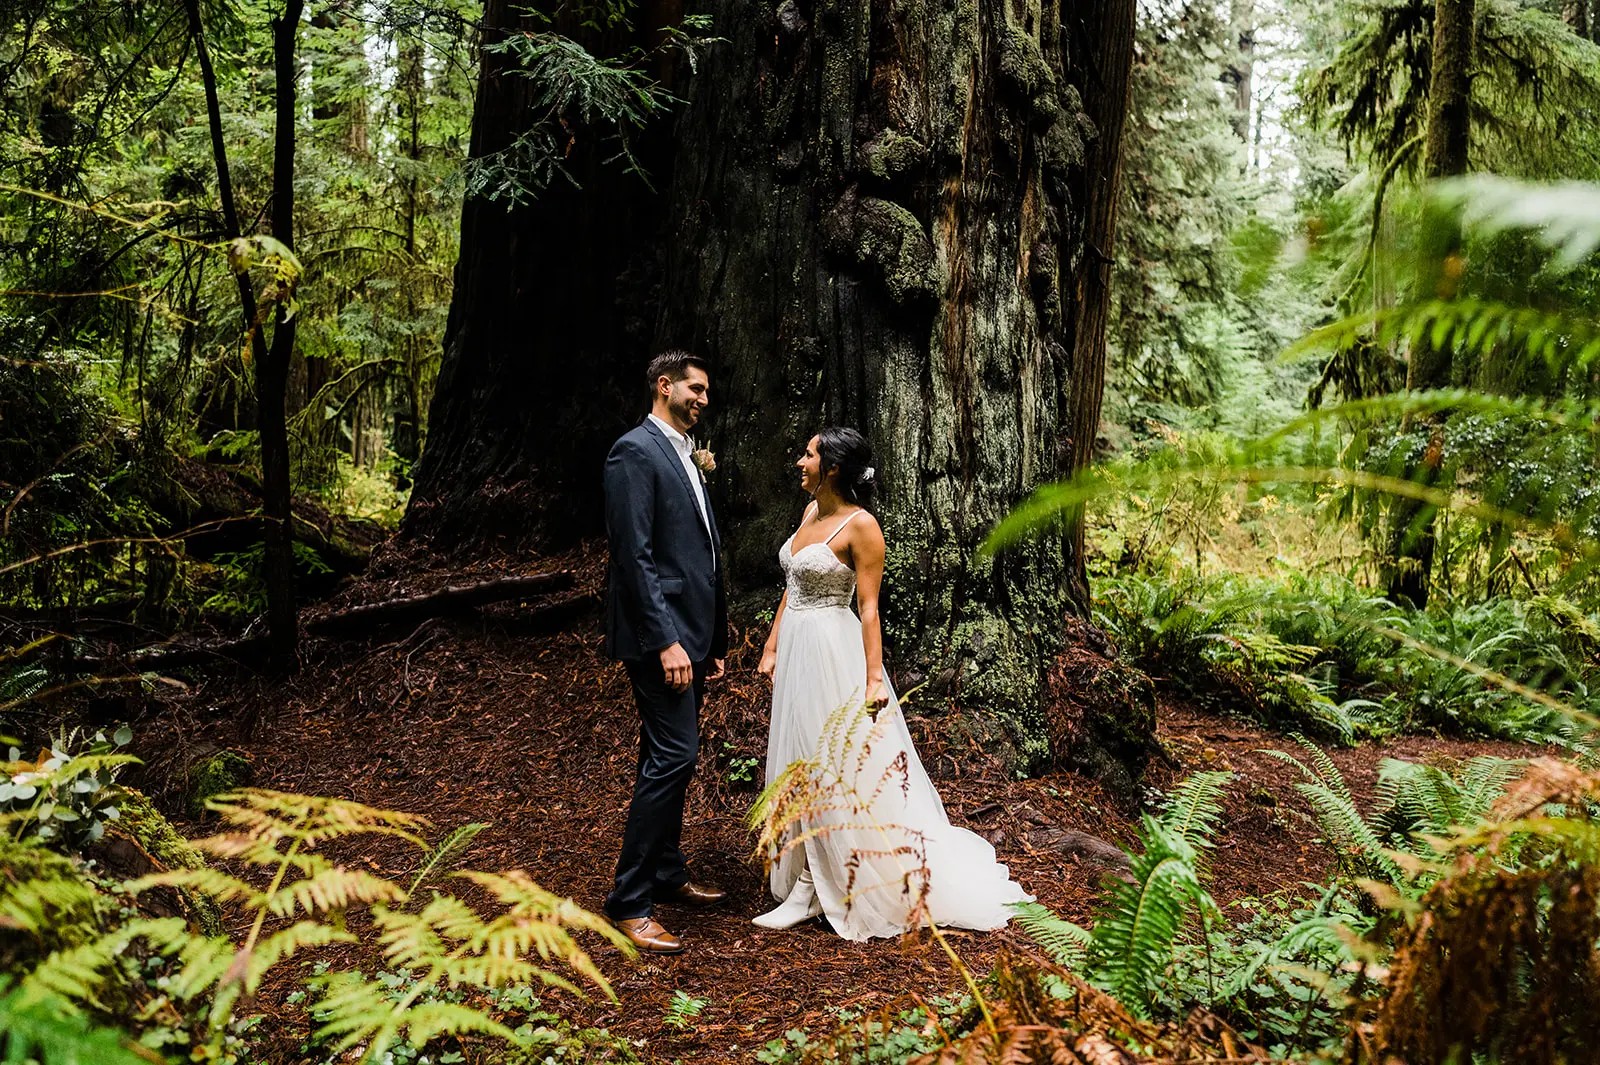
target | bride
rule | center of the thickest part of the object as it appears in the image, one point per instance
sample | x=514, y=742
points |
x=870, y=846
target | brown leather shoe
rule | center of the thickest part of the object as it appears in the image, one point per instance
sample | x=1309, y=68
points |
x=692, y=894
x=647, y=934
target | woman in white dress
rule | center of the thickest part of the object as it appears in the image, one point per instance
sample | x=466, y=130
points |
x=871, y=848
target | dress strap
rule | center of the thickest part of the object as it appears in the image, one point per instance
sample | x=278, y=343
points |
x=840, y=529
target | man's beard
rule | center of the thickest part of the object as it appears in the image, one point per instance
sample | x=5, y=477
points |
x=683, y=413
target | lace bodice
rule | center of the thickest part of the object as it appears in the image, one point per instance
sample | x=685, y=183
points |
x=816, y=577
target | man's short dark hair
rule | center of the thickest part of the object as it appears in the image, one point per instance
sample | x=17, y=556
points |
x=673, y=364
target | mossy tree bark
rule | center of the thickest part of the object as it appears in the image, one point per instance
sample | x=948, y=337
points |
x=897, y=216
x=1445, y=146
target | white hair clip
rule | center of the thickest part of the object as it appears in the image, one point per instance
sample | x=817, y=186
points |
x=867, y=474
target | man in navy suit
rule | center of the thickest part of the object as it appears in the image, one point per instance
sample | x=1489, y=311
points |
x=667, y=622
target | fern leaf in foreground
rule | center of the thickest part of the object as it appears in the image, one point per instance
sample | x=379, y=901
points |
x=452, y=847
x=1066, y=943
x=1196, y=807
x=1133, y=939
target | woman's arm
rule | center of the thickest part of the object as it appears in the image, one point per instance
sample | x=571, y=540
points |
x=769, y=653
x=866, y=550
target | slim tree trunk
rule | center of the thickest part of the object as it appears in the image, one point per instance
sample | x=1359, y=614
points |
x=272, y=372
x=411, y=85
x=1240, y=74
x=1108, y=36
x=1445, y=147
x=882, y=216
x=271, y=362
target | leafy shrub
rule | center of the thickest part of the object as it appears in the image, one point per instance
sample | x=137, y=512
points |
x=66, y=795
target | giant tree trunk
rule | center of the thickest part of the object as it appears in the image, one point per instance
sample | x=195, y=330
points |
x=887, y=214
x=545, y=346
x=1446, y=140
x=894, y=215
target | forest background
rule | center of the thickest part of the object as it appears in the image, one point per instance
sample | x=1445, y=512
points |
x=1259, y=361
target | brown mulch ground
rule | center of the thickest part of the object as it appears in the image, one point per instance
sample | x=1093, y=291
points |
x=473, y=720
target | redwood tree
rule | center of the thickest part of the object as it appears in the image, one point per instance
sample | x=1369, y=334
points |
x=892, y=215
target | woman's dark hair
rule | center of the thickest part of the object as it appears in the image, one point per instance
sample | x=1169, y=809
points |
x=848, y=450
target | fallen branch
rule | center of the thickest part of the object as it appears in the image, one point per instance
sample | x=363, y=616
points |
x=450, y=599
x=357, y=621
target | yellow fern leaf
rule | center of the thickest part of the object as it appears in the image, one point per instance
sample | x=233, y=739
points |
x=205, y=880
x=408, y=940
x=332, y=889
x=429, y=1020
x=285, y=942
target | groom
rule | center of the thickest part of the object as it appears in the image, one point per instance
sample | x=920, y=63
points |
x=667, y=622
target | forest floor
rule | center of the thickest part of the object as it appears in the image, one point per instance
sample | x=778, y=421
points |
x=473, y=720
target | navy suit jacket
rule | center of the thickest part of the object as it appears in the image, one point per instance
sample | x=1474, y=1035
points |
x=664, y=581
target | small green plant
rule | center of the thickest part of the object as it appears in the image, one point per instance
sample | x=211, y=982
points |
x=682, y=1009
x=68, y=794
x=47, y=1031
x=740, y=770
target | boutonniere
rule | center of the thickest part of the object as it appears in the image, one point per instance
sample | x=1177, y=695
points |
x=704, y=460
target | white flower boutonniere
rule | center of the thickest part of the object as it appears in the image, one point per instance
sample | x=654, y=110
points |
x=704, y=460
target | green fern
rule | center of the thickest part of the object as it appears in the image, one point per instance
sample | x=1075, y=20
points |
x=1346, y=829
x=1130, y=948
x=1067, y=943
x=682, y=1009
x=1195, y=809
x=1426, y=798
x=1134, y=937
x=452, y=847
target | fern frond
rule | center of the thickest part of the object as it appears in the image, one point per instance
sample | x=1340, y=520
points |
x=429, y=1020
x=1195, y=808
x=1134, y=937
x=1066, y=943
x=286, y=942
x=1341, y=821
x=204, y=963
x=207, y=881
x=336, y=888
x=452, y=847
x=78, y=974
x=410, y=941
x=312, y=819
x=351, y=1008
x=1483, y=781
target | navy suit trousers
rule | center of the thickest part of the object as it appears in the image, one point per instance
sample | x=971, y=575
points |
x=669, y=742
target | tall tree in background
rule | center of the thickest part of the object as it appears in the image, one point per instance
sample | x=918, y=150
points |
x=1446, y=140
x=896, y=216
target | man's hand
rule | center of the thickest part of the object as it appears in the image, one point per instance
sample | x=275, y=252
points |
x=769, y=662
x=676, y=667
x=719, y=666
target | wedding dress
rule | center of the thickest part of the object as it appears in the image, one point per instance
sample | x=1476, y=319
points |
x=878, y=847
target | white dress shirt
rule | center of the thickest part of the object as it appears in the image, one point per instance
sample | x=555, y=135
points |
x=680, y=443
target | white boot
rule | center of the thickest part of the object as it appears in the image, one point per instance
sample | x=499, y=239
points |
x=801, y=905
